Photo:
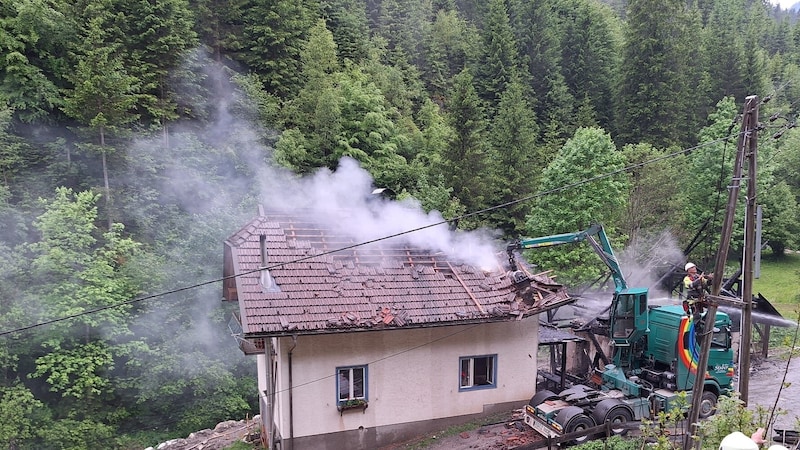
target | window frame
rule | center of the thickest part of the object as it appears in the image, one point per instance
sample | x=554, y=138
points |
x=365, y=385
x=492, y=384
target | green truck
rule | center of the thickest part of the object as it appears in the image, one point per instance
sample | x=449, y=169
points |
x=655, y=356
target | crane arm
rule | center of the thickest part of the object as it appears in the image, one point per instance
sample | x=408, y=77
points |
x=600, y=245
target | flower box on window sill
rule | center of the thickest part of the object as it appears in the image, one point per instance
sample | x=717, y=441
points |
x=352, y=404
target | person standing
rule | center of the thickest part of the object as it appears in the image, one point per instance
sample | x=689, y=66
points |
x=695, y=285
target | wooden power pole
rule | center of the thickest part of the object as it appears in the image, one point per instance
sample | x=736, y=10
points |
x=749, y=256
x=746, y=146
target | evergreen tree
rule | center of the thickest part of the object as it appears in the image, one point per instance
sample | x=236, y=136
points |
x=33, y=40
x=347, y=20
x=273, y=34
x=656, y=73
x=448, y=48
x=467, y=160
x=756, y=80
x=520, y=159
x=726, y=50
x=155, y=37
x=539, y=35
x=315, y=113
x=590, y=58
x=402, y=24
x=104, y=95
x=497, y=65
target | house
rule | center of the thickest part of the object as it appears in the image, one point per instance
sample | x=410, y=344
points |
x=363, y=345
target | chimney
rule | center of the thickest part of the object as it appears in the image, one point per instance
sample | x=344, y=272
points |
x=267, y=282
x=262, y=245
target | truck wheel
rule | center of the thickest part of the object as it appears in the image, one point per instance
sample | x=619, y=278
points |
x=708, y=404
x=573, y=419
x=541, y=397
x=613, y=410
x=622, y=416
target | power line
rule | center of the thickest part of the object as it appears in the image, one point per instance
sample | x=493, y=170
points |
x=359, y=244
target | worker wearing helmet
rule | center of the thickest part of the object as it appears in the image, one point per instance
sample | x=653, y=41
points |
x=695, y=285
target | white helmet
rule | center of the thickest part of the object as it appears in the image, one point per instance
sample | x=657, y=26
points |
x=777, y=447
x=737, y=441
x=688, y=266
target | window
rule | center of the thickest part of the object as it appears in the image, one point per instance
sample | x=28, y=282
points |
x=477, y=372
x=721, y=338
x=351, y=383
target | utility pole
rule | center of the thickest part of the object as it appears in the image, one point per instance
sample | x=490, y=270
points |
x=749, y=259
x=706, y=327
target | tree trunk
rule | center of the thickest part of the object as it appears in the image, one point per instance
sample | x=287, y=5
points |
x=105, y=176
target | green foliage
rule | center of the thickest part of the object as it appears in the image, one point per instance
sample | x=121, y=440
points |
x=497, y=65
x=731, y=415
x=467, y=154
x=104, y=94
x=589, y=155
x=33, y=39
x=658, y=432
x=519, y=158
x=17, y=404
x=654, y=194
x=71, y=434
x=274, y=33
x=612, y=443
x=656, y=73
x=590, y=59
x=386, y=83
x=12, y=149
x=711, y=166
x=448, y=46
x=77, y=372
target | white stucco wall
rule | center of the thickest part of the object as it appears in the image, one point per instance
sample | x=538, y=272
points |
x=412, y=374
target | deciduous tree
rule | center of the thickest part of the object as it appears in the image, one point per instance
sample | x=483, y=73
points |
x=585, y=186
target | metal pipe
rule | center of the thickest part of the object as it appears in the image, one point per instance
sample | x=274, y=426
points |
x=291, y=390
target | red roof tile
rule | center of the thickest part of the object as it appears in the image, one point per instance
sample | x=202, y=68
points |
x=381, y=285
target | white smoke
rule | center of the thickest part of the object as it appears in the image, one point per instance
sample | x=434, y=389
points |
x=647, y=257
x=343, y=200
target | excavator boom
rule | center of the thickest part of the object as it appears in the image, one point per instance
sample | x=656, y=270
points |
x=595, y=235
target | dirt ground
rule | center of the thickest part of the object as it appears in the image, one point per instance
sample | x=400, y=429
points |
x=767, y=384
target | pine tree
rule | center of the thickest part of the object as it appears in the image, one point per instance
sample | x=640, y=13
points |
x=514, y=136
x=155, y=38
x=657, y=78
x=592, y=42
x=272, y=38
x=34, y=36
x=497, y=65
x=726, y=50
x=467, y=161
x=539, y=35
x=104, y=95
x=347, y=20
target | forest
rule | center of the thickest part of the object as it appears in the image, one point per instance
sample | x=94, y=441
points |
x=137, y=135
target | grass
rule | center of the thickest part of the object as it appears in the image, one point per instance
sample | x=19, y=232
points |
x=780, y=283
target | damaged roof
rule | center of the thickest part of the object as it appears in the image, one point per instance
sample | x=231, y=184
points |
x=292, y=275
